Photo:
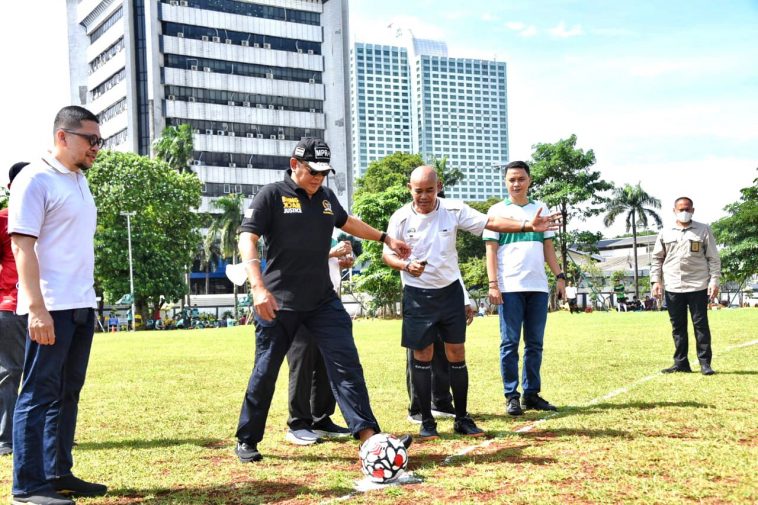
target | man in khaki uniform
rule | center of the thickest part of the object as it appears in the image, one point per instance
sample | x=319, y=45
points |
x=686, y=263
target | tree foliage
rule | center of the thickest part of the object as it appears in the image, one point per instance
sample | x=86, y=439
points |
x=450, y=176
x=738, y=233
x=562, y=178
x=224, y=229
x=164, y=236
x=637, y=206
x=174, y=146
x=391, y=171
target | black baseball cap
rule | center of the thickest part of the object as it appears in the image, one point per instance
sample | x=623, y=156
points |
x=15, y=169
x=315, y=153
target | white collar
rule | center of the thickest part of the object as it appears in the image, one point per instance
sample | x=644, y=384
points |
x=53, y=162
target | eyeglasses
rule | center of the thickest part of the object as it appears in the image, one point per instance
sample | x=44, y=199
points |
x=93, y=140
x=316, y=173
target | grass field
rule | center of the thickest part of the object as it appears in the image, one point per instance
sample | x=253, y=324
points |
x=159, y=411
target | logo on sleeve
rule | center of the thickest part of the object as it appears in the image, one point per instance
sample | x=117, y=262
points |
x=291, y=205
x=327, y=207
x=248, y=213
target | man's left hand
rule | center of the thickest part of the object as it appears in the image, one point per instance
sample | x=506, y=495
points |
x=545, y=223
x=560, y=287
x=713, y=292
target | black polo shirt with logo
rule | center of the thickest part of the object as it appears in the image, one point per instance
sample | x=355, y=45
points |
x=298, y=232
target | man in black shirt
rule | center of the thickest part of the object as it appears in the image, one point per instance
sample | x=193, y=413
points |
x=296, y=217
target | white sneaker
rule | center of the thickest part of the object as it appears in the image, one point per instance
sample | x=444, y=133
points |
x=302, y=437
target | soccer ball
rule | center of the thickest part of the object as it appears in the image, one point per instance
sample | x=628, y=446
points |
x=383, y=457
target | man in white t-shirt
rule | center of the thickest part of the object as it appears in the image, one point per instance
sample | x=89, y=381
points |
x=52, y=218
x=518, y=284
x=433, y=299
x=571, y=294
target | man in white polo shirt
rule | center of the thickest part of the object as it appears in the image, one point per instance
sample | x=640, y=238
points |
x=52, y=219
x=518, y=284
x=433, y=299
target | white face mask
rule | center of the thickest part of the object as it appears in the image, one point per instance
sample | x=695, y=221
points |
x=684, y=216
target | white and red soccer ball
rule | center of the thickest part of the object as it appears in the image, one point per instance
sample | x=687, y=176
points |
x=383, y=457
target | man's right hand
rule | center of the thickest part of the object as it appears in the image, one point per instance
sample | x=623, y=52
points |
x=416, y=268
x=657, y=290
x=41, y=328
x=264, y=303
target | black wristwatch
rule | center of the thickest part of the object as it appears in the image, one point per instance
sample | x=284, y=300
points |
x=561, y=276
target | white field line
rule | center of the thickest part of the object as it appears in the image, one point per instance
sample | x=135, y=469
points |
x=529, y=427
x=616, y=392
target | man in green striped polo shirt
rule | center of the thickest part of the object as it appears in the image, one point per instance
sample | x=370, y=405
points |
x=518, y=284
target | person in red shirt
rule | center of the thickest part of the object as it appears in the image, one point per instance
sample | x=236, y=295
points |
x=12, y=329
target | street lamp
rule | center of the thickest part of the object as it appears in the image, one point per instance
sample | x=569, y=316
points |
x=131, y=269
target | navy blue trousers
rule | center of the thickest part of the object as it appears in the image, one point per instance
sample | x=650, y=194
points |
x=44, y=421
x=331, y=328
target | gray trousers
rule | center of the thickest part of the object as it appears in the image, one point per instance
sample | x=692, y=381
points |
x=12, y=342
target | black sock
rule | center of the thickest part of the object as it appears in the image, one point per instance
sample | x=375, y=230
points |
x=421, y=375
x=459, y=385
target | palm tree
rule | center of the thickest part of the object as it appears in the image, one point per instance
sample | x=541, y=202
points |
x=225, y=226
x=209, y=255
x=636, y=203
x=174, y=146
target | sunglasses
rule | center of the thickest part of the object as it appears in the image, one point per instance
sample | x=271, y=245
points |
x=93, y=140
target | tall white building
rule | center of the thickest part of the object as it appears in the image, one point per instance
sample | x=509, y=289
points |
x=250, y=77
x=458, y=109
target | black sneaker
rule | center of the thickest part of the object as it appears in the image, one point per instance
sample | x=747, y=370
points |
x=406, y=440
x=467, y=426
x=74, y=486
x=414, y=418
x=513, y=406
x=706, y=369
x=534, y=402
x=247, y=453
x=41, y=498
x=428, y=431
x=677, y=368
x=328, y=429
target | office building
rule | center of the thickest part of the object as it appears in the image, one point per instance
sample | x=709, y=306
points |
x=458, y=109
x=250, y=77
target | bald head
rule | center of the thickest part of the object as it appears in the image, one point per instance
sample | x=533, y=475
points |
x=424, y=176
x=424, y=185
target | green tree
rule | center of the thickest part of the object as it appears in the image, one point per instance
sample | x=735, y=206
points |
x=738, y=233
x=164, y=236
x=224, y=228
x=468, y=244
x=450, y=176
x=3, y=198
x=208, y=255
x=637, y=206
x=392, y=170
x=174, y=146
x=377, y=279
x=563, y=180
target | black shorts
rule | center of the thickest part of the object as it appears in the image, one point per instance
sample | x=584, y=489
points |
x=429, y=311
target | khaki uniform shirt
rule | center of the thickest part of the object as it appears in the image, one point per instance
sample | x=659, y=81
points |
x=686, y=259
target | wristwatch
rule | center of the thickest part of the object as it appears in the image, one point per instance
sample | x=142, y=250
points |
x=561, y=276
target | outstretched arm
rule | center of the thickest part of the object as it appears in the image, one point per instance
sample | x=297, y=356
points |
x=538, y=223
x=358, y=228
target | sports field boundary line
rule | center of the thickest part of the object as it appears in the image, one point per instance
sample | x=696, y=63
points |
x=531, y=426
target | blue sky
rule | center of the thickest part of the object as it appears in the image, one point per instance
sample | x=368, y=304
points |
x=664, y=92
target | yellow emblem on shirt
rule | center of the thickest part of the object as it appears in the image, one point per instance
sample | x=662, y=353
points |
x=291, y=205
x=327, y=207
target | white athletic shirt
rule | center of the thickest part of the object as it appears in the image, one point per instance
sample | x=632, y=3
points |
x=520, y=256
x=54, y=204
x=432, y=238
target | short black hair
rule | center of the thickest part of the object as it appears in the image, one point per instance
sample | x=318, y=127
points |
x=518, y=164
x=684, y=198
x=15, y=169
x=71, y=117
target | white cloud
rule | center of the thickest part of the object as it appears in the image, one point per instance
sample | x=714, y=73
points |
x=515, y=25
x=530, y=31
x=562, y=32
x=521, y=28
x=489, y=17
